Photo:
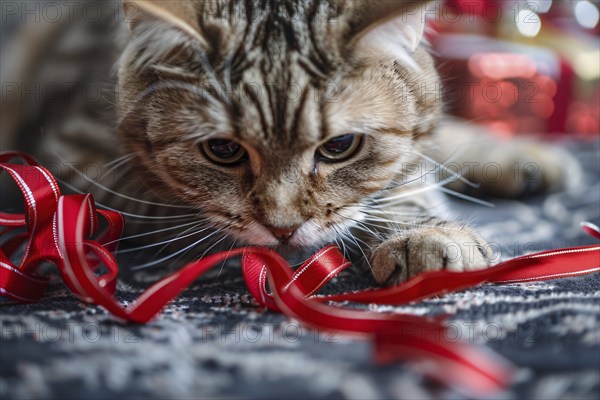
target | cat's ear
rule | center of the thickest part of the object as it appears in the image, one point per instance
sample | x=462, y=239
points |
x=180, y=14
x=394, y=27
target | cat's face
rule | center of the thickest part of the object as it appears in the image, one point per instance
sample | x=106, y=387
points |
x=276, y=128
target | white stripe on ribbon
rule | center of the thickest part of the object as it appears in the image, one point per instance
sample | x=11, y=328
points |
x=10, y=268
x=63, y=248
x=314, y=258
x=50, y=181
x=33, y=206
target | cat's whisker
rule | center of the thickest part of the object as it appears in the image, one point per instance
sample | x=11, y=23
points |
x=170, y=228
x=439, y=186
x=225, y=260
x=127, y=214
x=183, y=217
x=205, y=252
x=366, y=245
x=395, y=215
x=400, y=196
x=167, y=242
x=412, y=224
x=395, y=184
x=159, y=222
x=443, y=166
x=180, y=235
x=119, y=160
x=109, y=190
x=117, y=166
x=373, y=218
x=359, y=224
x=347, y=250
x=354, y=239
x=467, y=197
x=364, y=226
x=155, y=262
x=342, y=235
x=424, y=211
x=347, y=234
x=342, y=245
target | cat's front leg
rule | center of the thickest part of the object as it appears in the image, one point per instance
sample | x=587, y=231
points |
x=411, y=246
x=413, y=251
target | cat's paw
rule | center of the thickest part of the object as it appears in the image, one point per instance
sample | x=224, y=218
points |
x=404, y=256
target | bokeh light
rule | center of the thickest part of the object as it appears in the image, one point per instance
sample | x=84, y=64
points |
x=587, y=14
x=528, y=23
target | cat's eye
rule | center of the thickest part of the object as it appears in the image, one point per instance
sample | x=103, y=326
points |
x=223, y=151
x=339, y=148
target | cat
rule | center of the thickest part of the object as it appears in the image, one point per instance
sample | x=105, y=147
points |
x=287, y=124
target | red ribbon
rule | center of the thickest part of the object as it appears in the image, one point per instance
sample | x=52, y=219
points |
x=59, y=228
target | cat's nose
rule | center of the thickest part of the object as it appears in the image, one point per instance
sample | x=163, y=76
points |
x=282, y=233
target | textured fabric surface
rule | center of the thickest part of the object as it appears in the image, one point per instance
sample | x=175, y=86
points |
x=213, y=342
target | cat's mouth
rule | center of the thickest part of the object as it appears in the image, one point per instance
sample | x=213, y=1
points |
x=285, y=236
x=315, y=231
x=308, y=234
x=282, y=234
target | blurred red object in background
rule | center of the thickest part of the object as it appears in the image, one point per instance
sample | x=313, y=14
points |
x=522, y=66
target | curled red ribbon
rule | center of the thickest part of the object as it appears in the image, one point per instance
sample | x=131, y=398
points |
x=59, y=228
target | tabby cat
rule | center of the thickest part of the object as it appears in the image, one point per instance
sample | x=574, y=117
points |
x=287, y=123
